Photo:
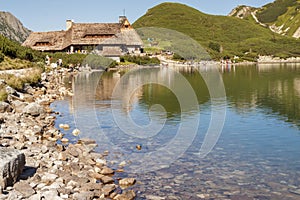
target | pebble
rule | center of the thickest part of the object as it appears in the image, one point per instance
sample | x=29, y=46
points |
x=127, y=181
x=122, y=164
x=106, y=171
x=62, y=156
x=202, y=196
x=107, y=179
x=83, y=196
x=64, y=126
x=127, y=195
x=64, y=140
x=101, y=161
x=76, y=132
x=108, y=189
x=295, y=191
x=153, y=197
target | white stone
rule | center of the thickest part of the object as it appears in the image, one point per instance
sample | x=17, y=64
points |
x=49, y=177
x=76, y=132
x=33, y=109
x=101, y=161
x=12, y=163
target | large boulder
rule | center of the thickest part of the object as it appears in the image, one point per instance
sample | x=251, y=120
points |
x=5, y=107
x=10, y=90
x=34, y=109
x=12, y=163
x=18, y=105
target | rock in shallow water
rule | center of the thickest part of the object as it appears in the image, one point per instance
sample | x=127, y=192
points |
x=107, y=179
x=12, y=163
x=106, y=171
x=128, y=195
x=127, y=181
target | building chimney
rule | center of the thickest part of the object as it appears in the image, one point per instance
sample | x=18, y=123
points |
x=122, y=19
x=69, y=24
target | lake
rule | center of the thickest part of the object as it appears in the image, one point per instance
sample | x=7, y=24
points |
x=194, y=132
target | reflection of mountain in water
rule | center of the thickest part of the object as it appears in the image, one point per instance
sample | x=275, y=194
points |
x=273, y=89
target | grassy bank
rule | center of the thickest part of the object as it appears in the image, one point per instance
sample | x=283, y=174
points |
x=32, y=76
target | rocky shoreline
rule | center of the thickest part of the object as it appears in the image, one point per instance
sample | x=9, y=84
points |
x=54, y=169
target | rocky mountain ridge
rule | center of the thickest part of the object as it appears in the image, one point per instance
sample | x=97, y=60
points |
x=12, y=28
x=282, y=17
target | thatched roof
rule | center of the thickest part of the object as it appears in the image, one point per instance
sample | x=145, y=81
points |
x=92, y=34
x=127, y=37
x=85, y=34
x=54, y=40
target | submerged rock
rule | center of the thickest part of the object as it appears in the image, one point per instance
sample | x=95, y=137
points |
x=128, y=195
x=76, y=132
x=127, y=181
x=64, y=126
x=106, y=171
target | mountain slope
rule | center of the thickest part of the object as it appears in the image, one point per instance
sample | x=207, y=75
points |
x=234, y=36
x=12, y=28
x=242, y=12
x=281, y=16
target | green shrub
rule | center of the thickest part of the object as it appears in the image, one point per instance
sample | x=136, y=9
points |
x=1, y=57
x=122, y=59
x=214, y=46
x=177, y=57
x=98, y=62
x=28, y=56
x=10, y=51
x=141, y=60
x=14, y=50
x=68, y=59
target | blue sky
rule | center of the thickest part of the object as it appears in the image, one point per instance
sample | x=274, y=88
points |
x=46, y=15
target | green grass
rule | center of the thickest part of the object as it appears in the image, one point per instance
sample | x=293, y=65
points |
x=14, y=56
x=31, y=77
x=235, y=36
x=16, y=63
x=272, y=11
x=285, y=13
x=290, y=19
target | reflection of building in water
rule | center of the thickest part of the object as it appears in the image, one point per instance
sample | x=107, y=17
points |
x=109, y=81
x=105, y=86
x=91, y=88
x=84, y=86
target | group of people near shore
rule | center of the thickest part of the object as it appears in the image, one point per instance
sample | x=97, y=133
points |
x=48, y=62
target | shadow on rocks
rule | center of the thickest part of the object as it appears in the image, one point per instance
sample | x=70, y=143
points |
x=28, y=172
